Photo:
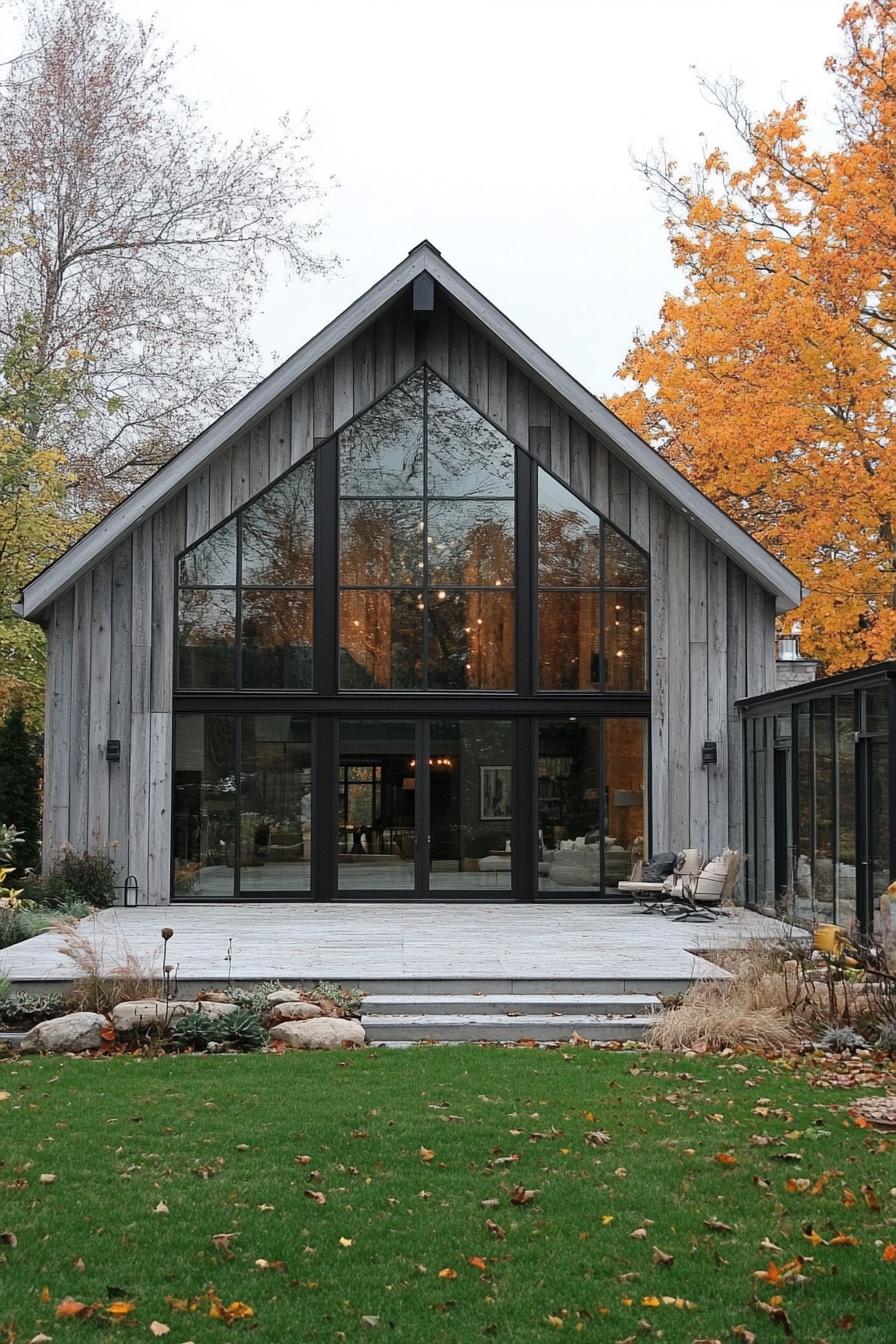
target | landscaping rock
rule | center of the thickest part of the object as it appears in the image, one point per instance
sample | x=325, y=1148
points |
x=70, y=1034
x=214, y=996
x=140, y=1014
x=295, y=1012
x=319, y=1033
x=284, y=996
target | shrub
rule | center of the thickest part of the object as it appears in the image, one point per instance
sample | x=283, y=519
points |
x=87, y=877
x=347, y=1002
x=19, y=786
x=841, y=1040
x=23, y=1010
x=14, y=927
x=241, y=1030
x=887, y=1038
x=52, y=891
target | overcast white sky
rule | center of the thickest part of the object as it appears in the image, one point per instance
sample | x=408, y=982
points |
x=499, y=129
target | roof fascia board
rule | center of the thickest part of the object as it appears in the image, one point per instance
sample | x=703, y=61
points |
x=707, y=517
x=176, y=473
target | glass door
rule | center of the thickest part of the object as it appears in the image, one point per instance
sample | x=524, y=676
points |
x=376, y=811
x=469, y=770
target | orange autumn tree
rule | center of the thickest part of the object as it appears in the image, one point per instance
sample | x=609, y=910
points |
x=770, y=381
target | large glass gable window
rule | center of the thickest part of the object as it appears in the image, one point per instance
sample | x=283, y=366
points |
x=426, y=565
x=245, y=595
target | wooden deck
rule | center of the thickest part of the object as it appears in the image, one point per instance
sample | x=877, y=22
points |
x=480, y=948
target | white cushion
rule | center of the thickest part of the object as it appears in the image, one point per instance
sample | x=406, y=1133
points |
x=580, y=842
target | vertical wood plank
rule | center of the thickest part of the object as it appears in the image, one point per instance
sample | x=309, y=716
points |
x=220, y=487
x=322, y=385
x=478, y=370
x=158, y=862
x=736, y=646
x=404, y=335
x=560, y=422
x=141, y=616
x=384, y=352
x=620, y=495
x=661, y=837
x=197, y=507
x=678, y=703
x=343, y=388
x=438, y=338
x=517, y=405
x=362, y=368
x=579, y=460
x=166, y=531
x=302, y=434
x=639, y=523
x=280, y=427
x=717, y=697
x=698, y=679
x=459, y=353
x=120, y=705
x=241, y=461
x=79, y=757
x=138, y=804
x=259, y=457
x=497, y=387
x=141, y=681
x=539, y=425
x=57, y=728
x=600, y=476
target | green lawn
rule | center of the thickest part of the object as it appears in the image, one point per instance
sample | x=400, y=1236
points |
x=218, y=1142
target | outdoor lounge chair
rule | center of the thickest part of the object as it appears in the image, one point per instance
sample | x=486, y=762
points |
x=703, y=896
x=655, y=895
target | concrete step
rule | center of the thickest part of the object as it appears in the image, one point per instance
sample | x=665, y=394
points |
x=572, y=1004
x=500, y=1027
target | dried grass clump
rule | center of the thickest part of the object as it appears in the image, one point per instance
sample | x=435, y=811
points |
x=755, y=1009
x=97, y=990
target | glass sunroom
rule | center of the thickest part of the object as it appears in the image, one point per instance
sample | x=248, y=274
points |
x=415, y=665
x=820, y=796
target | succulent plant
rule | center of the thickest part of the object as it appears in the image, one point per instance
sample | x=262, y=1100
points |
x=841, y=1040
x=241, y=1030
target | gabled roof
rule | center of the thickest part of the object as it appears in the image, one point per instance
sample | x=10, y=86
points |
x=592, y=413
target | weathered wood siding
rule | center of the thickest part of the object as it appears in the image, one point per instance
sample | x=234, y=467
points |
x=110, y=638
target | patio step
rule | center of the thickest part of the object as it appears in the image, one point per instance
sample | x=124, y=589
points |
x=396, y=1019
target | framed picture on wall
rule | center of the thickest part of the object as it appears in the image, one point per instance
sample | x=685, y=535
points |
x=494, y=792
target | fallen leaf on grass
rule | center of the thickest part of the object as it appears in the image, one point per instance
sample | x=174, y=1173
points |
x=870, y=1197
x=345, y=1241
x=161, y=1207
x=447, y=1273
x=520, y=1195
x=4, y=1096
x=233, y=1311
x=221, y=1242
x=495, y=1229
x=796, y=1185
x=725, y=1159
x=120, y=1308
x=661, y=1258
x=158, y=1328
x=741, y=1332
x=47, y=1177
x=889, y=1254
x=426, y=1154
x=776, y=1314
x=477, y=1261
x=489, y=1203
x=767, y=1245
x=639, y=1234
x=9, y=1239
x=317, y=1195
x=371, y=1321
x=70, y=1307
x=597, y=1138
x=41, y=1339
x=715, y=1226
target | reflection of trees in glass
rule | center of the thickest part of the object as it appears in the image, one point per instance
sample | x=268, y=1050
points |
x=381, y=542
x=471, y=541
x=212, y=560
x=278, y=531
x=467, y=454
x=568, y=536
x=625, y=565
x=381, y=453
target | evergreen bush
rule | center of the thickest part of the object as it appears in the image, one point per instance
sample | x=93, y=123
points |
x=20, y=787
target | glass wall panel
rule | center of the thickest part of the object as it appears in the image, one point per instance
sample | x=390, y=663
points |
x=206, y=639
x=471, y=541
x=381, y=542
x=376, y=805
x=568, y=537
x=275, y=805
x=624, y=565
x=846, y=811
x=750, y=884
x=805, y=786
x=762, y=853
x=824, y=810
x=569, y=805
x=879, y=818
x=625, y=777
x=278, y=532
x=380, y=640
x=470, y=778
x=471, y=640
x=276, y=645
x=876, y=710
x=569, y=641
x=381, y=453
x=211, y=561
x=625, y=643
x=467, y=454
x=204, y=830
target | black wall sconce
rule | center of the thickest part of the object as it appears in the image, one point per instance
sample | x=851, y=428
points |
x=113, y=751
x=710, y=754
